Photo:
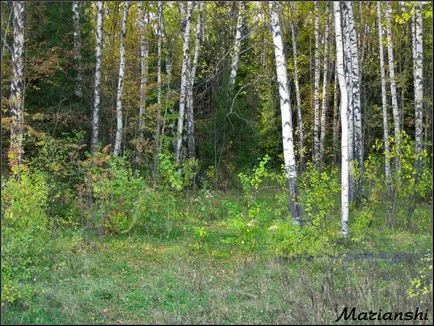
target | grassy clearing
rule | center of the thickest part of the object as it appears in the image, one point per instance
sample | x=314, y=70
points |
x=138, y=278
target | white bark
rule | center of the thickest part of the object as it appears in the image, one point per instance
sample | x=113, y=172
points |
x=286, y=115
x=297, y=90
x=355, y=76
x=395, y=109
x=348, y=70
x=384, y=102
x=349, y=82
x=118, y=139
x=16, y=151
x=184, y=82
x=316, y=124
x=158, y=121
x=97, y=86
x=143, y=21
x=324, y=103
x=418, y=80
x=335, y=116
x=77, y=47
x=344, y=120
x=191, y=144
x=236, y=51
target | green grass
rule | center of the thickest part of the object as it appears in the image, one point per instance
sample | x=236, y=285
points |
x=140, y=278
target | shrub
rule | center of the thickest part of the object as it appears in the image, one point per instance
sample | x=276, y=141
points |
x=122, y=199
x=421, y=286
x=116, y=190
x=24, y=231
x=175, y=176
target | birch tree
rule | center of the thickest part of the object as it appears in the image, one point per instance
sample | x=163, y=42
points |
x=158, y=121
x=349, y=87
x=418, y=80
x=236, y=50
x=354, y=71
x=16, y=151
x=97, y=86
x=77, y=47
x=118, y=138
x=297, y=89
x=184, y=80
x=384, y=101
x=392, y=82
x=335, y=117
x=344, y=119
x=143, y=21
x=191, y=145
x=316, y=124
x=286, y=114
x=324, y=103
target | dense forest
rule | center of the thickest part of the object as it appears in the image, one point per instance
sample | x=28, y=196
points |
x=216, y=161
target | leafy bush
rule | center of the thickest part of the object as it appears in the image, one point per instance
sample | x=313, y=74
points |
x=59, y=159
x=176, y=176
x=286, y=239
x=116, y=190
x=408, y=185
x=24, y=230
x=421, y=286
x=123, y=200
x=319, y=195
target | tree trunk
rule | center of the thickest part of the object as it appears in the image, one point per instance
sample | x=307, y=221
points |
x=184, y=82
x=286, y=114
x=344, y=120
x=418, y=81
x=77, y=47
x=395, y=109
x=324, y=106
x=97, y=87
x=118, y=139
x=158, y=116
x=16, y=151
x=335, y=118
x=355, y=82
x=144, y=53
x=316, y=125
x=236, y=51
x=191, y=145
x=384, y=102
x=297, y=91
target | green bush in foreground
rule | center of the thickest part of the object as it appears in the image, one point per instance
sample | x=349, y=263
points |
x=24, y=231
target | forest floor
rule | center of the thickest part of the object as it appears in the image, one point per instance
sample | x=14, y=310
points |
x=138, y=278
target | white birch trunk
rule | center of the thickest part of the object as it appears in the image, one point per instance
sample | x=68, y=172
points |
x=324, y=104
x=184, y=82
x=349, y=86
x=316, y=124
x=16, y=151
x=355, y=121
x=191, y=144
x=158, y=116
x=77, y=48
x=236, y=51
x=118, y=138
x=384, y=102
x=335, y=117
x=418, y=80
x=395, y=109
x=355, y=76
x=344, y=120
x=143, y=21
x=286, y=115
x=97, y=86
x=297, y=91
